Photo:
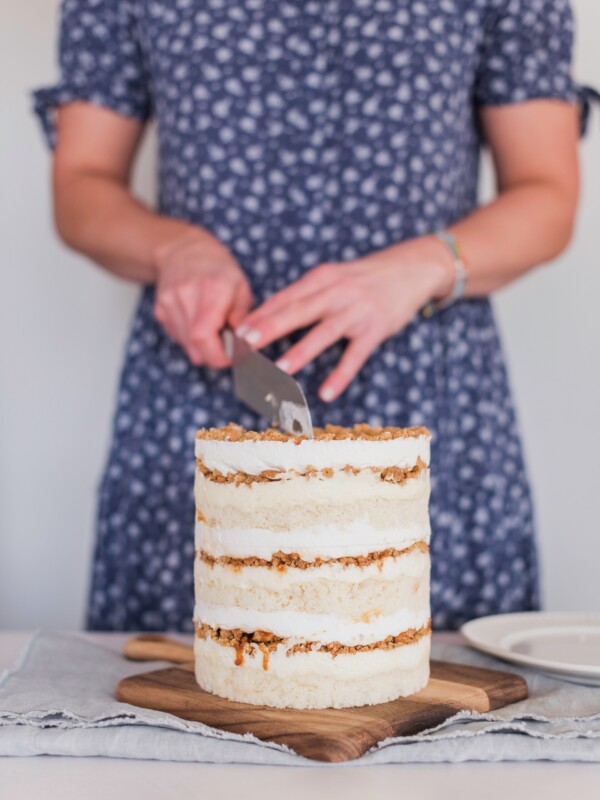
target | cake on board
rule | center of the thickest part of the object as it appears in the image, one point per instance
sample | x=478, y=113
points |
x=312, y=565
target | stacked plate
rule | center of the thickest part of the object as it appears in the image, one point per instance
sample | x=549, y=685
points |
x=565, y=645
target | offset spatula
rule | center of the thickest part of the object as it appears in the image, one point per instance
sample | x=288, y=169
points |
x=268, y=390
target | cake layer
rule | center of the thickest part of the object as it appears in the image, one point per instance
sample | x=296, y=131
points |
x=301, y=626
x=312, y=679
x=359, y=505
x=359, y=594
x=255, y=456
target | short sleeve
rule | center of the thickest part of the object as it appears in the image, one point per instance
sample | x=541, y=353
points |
x=526, y=53
x=101, y=61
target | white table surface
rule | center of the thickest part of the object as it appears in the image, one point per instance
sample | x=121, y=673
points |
x=123, y=779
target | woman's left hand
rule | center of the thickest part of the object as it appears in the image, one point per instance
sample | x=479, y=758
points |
x=364, y=301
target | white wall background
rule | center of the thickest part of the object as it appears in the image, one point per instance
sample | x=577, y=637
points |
x=63, y=324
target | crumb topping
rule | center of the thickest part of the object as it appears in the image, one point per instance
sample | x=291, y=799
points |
x=283, y=561
x=264, y=641
x=362, y=431
x=388, y=474
x=408, y=636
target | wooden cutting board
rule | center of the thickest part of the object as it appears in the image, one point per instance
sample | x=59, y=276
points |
x=324, y=735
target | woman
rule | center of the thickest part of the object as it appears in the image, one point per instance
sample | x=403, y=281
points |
x=307, y=153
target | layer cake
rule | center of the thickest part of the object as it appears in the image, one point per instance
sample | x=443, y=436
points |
x=312, y=565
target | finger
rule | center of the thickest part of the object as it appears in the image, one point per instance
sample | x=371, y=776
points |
x=242, y=303
x=203, y=305
x=168, y=313
x=315, y=342
x=355, y=355
x=195, y=353
x=291, y=294
x=188, y=302
x=183, y=306
x=188, y=298
x=215, y=302
x=209, y=349
x=289, y=318
x=194, y=350
x=317, y=279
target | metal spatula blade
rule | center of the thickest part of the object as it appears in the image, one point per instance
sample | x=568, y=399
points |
x=267, y=389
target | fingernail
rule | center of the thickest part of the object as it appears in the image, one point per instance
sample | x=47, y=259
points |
x=283, y=364
x=248, y=335
x=252, y=337
x=326, y=394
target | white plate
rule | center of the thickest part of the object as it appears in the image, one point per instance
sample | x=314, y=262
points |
x=565, y=644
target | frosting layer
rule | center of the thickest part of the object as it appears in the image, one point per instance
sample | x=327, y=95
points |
x=318, y=541
x=254, y=457
x=300, y=626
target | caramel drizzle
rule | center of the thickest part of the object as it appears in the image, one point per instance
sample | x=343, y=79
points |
x=239, y=654
x=265, y=656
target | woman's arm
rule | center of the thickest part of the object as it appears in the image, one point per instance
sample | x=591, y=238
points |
x=534, y=146
x=94, y=209
x=199, y=285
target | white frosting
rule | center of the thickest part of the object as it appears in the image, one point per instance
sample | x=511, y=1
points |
x=252, y=457
x=357, y=538
x=323, y=628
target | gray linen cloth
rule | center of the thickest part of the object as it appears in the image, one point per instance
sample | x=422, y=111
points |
x=60, y=701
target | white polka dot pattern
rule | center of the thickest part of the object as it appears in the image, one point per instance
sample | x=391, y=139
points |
x=301, y=132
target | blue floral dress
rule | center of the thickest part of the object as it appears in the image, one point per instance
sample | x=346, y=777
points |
x=300, y=132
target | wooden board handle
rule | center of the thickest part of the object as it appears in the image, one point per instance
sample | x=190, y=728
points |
x=155, y=647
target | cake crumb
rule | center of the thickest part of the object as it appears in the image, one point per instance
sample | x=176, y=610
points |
x=361, y=431
x=398, y=475
x=282, y=561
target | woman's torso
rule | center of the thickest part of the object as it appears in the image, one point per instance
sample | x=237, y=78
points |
x=306, y=132
x=299, y=133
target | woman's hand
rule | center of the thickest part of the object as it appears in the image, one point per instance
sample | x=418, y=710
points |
x=199, y=285
x=199, y=289
x=364, y=301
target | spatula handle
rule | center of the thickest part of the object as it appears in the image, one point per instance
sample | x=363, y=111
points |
x=155, y=647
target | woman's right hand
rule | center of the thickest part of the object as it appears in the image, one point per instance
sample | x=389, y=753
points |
x=200, y=288
x=199, y=285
